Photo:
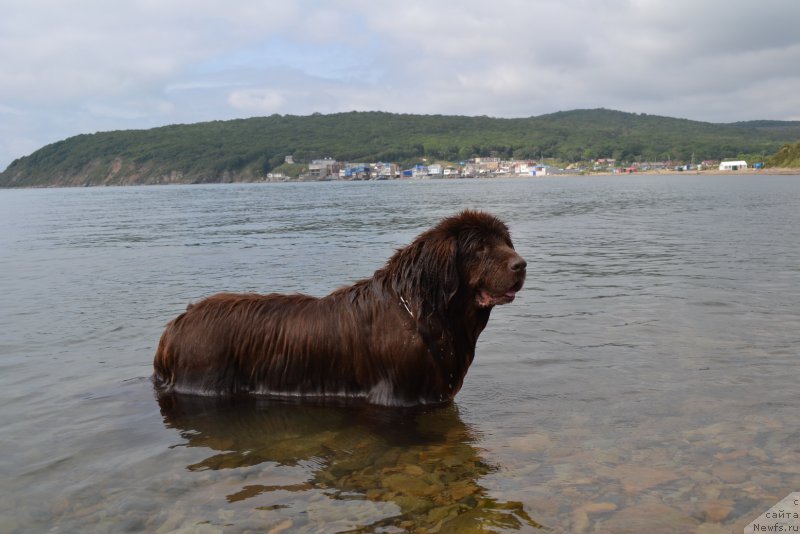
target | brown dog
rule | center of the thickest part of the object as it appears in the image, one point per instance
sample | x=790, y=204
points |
x=405, y=336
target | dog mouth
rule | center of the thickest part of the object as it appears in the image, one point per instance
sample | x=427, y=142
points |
x=487, y=299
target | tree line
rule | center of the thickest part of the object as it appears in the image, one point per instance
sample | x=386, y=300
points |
x=247, y=149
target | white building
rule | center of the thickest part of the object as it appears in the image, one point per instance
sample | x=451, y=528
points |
x=732, y=165
x=435, y=170
x=540, y=170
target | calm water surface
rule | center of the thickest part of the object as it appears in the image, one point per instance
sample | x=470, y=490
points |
x=646, y=379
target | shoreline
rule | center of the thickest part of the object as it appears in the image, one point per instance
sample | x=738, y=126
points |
x=660, y=172
x=777, y=171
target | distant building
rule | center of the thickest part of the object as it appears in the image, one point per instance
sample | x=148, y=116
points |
x=487, y=164
x=355, y=171
x=540, y=170
x=277, y=177
x=384, y=171
x=320, y=169
x=435, y=170
x=420, y=171
x=732, y=165
x=523, y=167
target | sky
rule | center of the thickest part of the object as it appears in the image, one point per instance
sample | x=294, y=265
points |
x=82, y=66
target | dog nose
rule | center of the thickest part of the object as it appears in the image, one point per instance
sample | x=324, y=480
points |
x=517, y=264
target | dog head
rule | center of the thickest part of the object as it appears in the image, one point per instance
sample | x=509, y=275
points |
x=492, y=270
x=469, y=254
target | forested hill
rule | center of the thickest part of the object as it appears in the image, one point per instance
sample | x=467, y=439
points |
x=246, y=149
x=787, y=156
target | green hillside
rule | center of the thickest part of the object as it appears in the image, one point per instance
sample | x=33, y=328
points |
x=787, y=157
x=246, y=149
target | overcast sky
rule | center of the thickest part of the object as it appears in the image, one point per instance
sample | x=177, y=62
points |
x=81, y=66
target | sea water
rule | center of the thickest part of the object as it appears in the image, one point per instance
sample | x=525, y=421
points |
x=645, y=379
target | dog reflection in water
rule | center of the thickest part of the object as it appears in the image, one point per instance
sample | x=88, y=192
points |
x=421, y=460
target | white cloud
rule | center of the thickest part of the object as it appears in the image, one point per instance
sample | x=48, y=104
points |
x=261, y=101
x=87, y=65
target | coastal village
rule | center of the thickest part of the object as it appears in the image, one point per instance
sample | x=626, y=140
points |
x=327, y=169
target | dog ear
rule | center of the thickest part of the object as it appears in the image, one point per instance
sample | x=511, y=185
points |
x=442, y=267
x=429, y=273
